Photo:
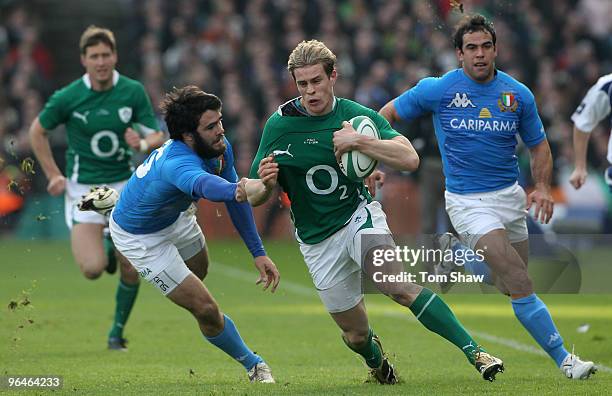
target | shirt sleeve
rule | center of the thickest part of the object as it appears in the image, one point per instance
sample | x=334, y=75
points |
x=594, y=107
x=531, y=128
x=144, y=120
x=54, y=113
x=262, y=151
x=244, y=222
x=418, y=100
x=214, y=188
x=384, y=128
x=183, y=172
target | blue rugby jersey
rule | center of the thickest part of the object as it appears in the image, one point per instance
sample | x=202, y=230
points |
x=162, y=187
x=476, y=126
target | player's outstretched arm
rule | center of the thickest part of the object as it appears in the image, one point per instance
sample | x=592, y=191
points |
x=396, y=153
x=42, y=152
x=217, y=189
x=541, y=171
x=581, y=142
x=259, y=190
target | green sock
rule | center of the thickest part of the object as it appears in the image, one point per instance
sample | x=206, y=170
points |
x=109, y=249
x=436, y=316
x=126, y=295
x=369, y=350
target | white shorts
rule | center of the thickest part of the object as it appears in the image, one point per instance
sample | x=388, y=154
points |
x=334, y=263
x=474, y=215
x=160, y=257
x=72, y=196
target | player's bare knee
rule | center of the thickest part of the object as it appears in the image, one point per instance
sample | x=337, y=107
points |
x=91, y=273
x=207, y=313
x=127, y=269
x=356, y=336
x=93, y=269
x=404, y=298
x=513, y=275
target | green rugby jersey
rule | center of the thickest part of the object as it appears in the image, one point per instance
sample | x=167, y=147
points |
x=95, y=124
x=322, y=198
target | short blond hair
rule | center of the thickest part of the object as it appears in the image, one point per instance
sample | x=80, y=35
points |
x=95, y=35
x=311, y=52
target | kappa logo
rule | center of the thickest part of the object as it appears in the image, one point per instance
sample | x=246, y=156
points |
x=553, y=337
x=461, y=100
x=82, y=117
x=283, y=152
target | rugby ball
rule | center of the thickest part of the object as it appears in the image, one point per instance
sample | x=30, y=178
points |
x=105, y=200
x=100, y=199
x=355, y=165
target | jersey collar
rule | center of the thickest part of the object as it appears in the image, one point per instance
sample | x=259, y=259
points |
x=301, y=108
x=87, y=80
x=479, y=84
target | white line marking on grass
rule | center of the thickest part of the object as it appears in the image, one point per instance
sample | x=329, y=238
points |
x=251, y=277
x=304, y=291
x=523, y=347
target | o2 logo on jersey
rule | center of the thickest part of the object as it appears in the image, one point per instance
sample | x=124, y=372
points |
x=145, y=167
x=333, y=185
x=114, y=144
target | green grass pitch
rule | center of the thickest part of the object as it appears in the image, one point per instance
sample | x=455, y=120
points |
x=60, y=323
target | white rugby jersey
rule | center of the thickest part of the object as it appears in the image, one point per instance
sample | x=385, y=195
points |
x=595, y=106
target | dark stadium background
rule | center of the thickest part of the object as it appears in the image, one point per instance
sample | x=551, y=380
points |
x=238, y=50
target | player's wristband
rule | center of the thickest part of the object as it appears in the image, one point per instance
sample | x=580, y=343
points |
x=144, y=145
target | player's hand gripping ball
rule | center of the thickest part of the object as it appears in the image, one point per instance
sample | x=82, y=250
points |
x=355, y=165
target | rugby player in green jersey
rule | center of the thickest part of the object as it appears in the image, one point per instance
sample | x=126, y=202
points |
x=107, y=117
x=305, y=139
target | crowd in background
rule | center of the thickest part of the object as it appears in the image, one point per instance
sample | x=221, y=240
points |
x=238, y=49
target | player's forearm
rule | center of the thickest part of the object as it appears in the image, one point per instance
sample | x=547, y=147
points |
x=42, y=150
x=581, y=142
x=396, y=153
x=541, y=165
x=257, y=192
x=214, y=188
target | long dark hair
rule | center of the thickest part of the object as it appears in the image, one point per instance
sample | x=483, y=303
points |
x=183, y=108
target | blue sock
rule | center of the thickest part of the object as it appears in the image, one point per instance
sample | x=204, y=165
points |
x=533, y=314
x=230, y=342
x=474, y=266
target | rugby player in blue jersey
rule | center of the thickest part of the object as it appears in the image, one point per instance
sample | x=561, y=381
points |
x=477, y=113
x=153, y=227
